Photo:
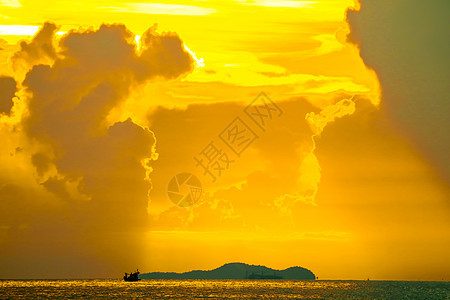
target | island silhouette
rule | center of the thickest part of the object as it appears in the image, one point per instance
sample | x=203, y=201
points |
x=236, y=271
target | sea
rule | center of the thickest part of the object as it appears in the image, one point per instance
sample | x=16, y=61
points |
x=222, y=289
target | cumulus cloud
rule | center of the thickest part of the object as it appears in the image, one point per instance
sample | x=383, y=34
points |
x=41, y=49
x=92, y=170
x=277, y=176
x=71, y=99
x=406, y=43
x=164, y=55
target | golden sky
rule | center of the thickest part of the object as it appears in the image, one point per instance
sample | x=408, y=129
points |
x=102, y=103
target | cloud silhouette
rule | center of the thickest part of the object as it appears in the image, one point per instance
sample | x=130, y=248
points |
x=392, y=200
x=41, y=49
x=406, y=43
x=92, y=170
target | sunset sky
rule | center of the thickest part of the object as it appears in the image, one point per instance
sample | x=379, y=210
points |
x=344, y=171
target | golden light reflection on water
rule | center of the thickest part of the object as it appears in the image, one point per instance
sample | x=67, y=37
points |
x=221, y=289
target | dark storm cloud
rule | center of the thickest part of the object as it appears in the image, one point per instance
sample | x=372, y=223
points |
x=406, y=43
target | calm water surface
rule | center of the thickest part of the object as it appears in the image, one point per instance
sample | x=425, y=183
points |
x=221, y=289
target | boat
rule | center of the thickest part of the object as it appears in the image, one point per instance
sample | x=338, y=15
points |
x=262, y=276
x=133, y=276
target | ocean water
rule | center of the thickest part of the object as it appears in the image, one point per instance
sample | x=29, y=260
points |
x=222, y=289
